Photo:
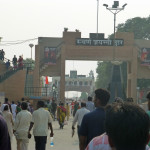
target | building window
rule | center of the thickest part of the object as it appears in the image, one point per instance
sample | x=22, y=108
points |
x=90, y=82
x=75, y=83
x=85, y=83
x=80, y=83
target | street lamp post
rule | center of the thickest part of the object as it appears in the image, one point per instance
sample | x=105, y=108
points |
x=115, y=10
x=0, y=39
x=31, y=45
x=54, y=91
x=97, y=15
x=116, y=76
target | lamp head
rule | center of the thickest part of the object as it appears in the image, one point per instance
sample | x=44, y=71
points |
x=124, y=5
x=105, y=5
x=31, y=45
x=65, y=29
x=116, y=4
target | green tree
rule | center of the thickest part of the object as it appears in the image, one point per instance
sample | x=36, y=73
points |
x=28, y=62
x=104, y=74
x=84, y=95
x=139, y=26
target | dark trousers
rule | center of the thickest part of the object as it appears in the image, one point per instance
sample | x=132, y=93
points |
x=53, y=113
x=40, y=142
x=78, y=127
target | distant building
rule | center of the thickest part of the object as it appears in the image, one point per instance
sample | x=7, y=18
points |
x=75, y=82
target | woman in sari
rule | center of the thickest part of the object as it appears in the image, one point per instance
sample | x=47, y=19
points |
x=67, y=111
x=61, y=115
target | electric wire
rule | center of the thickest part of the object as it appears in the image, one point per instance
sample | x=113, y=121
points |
x=10, y=43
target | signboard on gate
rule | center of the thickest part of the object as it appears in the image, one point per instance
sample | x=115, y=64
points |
x=99, y=42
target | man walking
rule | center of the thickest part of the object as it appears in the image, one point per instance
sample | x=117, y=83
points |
x=53, y=108
x=13, y=108
x=93, y=123
x=21, y=127
x=90, y=105
x=79, y=116
x=41, y=120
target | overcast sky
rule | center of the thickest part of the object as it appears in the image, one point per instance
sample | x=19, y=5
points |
x=29, y=19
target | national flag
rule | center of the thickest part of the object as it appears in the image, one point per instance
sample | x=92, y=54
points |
x=46, y=80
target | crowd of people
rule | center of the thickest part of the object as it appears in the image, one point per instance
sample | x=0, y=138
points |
x=19, y=119
x=122, y=125
x=17, y=63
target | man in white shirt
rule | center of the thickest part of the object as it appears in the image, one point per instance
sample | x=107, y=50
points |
x=79, y=116
x=42, y=121
x=21, y=127
x=13, y=108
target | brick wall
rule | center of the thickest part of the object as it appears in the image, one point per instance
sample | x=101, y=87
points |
x=2, y=68
x=13, y=87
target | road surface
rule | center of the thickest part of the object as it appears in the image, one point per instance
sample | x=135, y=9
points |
x=62, y=139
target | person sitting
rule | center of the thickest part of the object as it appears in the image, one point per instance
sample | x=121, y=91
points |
x=127, y=126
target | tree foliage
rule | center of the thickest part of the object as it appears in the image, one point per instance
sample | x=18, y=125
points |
x=104, y=74
x=84, y=95
x=139, y=26
x=143, y=83
x=28, y=62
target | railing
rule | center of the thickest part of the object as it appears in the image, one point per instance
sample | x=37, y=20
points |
x=12, y=71
x=38, y=91
x=7, y=74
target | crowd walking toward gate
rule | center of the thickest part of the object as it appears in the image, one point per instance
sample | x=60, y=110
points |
x=121, y=125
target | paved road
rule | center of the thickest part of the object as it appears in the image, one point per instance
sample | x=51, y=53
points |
x=62, y=139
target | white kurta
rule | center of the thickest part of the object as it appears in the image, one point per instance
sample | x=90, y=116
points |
x=9, y=120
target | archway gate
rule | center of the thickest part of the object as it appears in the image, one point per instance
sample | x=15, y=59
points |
x=72, y=47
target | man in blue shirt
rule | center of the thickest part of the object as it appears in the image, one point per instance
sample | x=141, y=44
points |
x=93, y=123
x=90, y=105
